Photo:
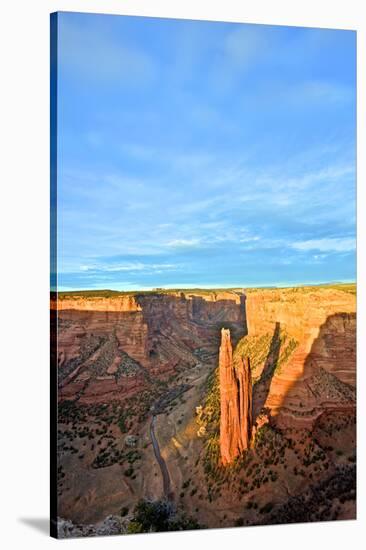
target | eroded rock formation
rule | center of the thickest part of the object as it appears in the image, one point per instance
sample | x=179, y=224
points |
x=109, y=348
x=321, y=371
x=235, y=401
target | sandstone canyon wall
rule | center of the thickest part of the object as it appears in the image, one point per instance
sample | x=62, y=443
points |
x=321, y=371
x=111, y=347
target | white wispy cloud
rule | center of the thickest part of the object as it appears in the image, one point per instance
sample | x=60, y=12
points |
x=213, y=215
x=128, y=267
x=248, y=239
x=183, y=243
x=332, y=244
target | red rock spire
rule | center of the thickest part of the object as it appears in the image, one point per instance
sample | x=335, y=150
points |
x=235, y=402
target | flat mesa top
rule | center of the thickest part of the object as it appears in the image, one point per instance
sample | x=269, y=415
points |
x=106, y=293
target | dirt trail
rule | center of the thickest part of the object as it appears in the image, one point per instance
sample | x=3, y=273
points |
x=161, y=461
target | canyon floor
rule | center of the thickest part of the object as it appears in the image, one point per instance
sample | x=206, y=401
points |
x=127, y=359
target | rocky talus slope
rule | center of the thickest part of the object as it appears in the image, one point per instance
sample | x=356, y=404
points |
x=111, y=348
x=125, y=357
x=309, y=359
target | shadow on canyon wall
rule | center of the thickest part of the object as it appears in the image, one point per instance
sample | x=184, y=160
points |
x=334, y=349
x=262, y=386
x=332, y=354
x=332, y=361
x=221, y=313
x=161, y=312
x=160, y=331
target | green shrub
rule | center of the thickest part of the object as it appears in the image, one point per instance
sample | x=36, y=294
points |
x=161, y=515
x=266, y=508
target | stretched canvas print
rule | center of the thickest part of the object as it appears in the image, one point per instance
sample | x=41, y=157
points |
x=203, y=295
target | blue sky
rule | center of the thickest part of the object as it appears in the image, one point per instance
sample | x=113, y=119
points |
x=198, y=154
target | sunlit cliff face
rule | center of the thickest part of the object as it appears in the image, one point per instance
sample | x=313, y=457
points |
x=122, y=359
x=157, y=333
x=235, y=401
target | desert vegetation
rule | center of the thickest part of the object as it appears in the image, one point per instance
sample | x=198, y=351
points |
x=161, y=515
x=305, y=460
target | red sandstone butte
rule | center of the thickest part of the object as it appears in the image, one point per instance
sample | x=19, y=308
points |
x=235, y=402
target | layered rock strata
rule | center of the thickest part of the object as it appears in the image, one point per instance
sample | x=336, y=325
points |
x=111, y=348
x=235, y=402
x=321, y=372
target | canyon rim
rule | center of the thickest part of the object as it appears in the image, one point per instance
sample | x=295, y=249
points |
x=203, y=294
x=163, y=412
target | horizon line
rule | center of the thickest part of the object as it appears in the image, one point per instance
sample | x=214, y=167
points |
x=206, y=287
